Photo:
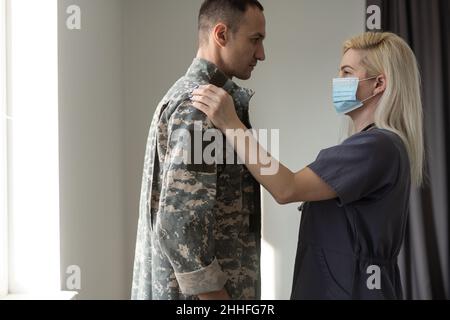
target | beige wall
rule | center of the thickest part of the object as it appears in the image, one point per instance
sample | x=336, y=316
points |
x=112, y=75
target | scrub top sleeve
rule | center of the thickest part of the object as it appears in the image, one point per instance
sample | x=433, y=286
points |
x=365, y=165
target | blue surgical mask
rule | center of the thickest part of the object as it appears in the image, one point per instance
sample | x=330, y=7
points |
x=344, y=94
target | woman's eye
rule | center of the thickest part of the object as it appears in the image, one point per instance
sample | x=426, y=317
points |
x=347, y=74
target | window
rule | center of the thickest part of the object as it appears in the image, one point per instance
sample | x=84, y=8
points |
x=29, y=169
x=3, y=162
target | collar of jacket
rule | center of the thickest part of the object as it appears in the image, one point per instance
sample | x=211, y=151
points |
x=203, y=71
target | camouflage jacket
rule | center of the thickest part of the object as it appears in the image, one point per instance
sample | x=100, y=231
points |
x=199, y=224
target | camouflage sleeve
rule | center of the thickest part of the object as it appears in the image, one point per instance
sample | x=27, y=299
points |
x=186, y=220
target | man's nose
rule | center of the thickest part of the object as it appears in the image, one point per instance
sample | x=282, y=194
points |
x=260, y=54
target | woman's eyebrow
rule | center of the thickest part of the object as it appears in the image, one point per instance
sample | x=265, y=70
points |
x=346, y=66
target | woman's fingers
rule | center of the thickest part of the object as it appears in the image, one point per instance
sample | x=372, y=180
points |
x=208, y=95
x=217, y=104
x=212, y=88
x=202, y=107
x=204, y=99
x=212, y=92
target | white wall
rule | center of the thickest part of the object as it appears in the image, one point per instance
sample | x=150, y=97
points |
x=110, y=86
x=92, y=149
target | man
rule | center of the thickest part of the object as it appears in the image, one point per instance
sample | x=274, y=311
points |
x=199, y=226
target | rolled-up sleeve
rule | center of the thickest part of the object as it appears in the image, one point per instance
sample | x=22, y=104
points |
x=186, y=219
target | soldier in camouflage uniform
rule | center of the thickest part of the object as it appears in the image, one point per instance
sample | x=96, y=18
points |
x=199, y=224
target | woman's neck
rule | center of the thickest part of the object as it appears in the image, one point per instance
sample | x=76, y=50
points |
x=362, y=118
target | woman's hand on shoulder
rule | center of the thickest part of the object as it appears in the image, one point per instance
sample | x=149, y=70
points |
x=218, y=105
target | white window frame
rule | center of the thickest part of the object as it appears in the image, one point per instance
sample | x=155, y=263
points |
x=3, y=156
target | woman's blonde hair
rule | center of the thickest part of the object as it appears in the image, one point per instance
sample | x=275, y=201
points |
x=400, y=107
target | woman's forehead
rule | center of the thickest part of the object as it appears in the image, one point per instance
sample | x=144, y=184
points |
x=352, y=58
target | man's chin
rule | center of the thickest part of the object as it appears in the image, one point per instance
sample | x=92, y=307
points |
x=244, y=76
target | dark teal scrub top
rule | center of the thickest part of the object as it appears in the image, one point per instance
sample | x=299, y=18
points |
x=348, y=246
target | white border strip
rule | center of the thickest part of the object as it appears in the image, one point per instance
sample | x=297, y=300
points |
x=3, y=156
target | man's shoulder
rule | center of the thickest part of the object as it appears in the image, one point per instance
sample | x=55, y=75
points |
x=180, y=111
x=181, y=88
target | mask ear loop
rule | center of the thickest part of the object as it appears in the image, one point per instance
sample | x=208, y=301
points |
x=369, y=78
x=373, y=96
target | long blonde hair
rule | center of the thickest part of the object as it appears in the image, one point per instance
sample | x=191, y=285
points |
x=400, y=107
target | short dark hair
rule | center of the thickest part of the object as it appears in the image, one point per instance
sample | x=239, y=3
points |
x=229, y=12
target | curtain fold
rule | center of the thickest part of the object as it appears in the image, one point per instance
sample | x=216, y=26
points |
x=424, y=260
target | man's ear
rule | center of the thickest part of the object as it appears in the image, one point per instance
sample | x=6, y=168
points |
x=220, y=34
x=380, y=85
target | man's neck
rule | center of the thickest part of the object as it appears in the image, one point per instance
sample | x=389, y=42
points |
x=210, y=56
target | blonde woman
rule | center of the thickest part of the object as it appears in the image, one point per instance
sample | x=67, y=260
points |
x=355, y=194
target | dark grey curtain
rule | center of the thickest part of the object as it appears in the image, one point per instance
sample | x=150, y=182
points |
x=424, y=260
